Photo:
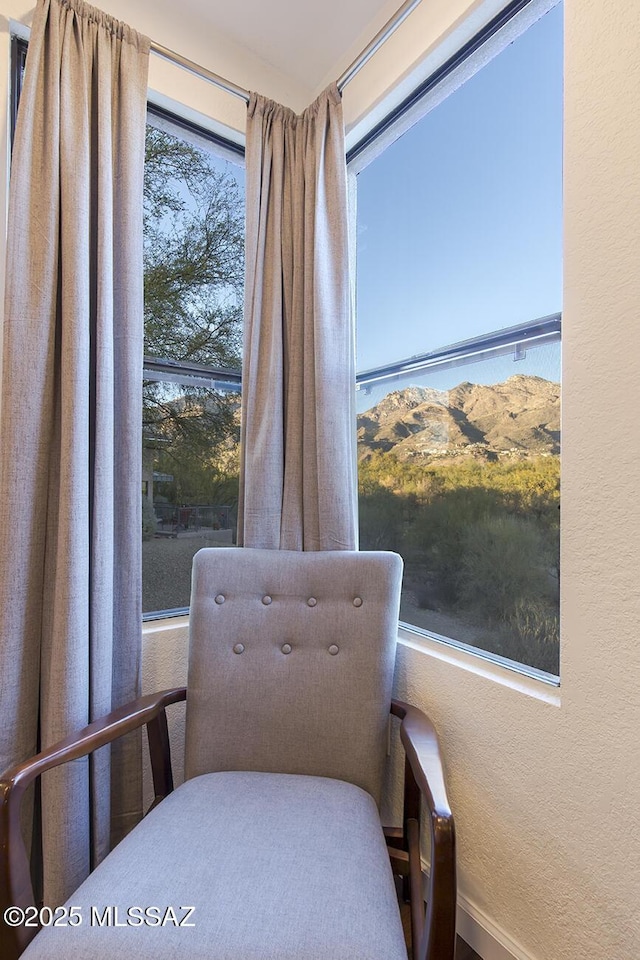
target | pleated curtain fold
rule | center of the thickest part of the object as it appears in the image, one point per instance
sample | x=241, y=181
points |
x=70, y=424
x=297, y=478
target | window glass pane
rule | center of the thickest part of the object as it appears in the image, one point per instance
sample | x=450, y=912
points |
x=190, y=466
x=193, y=251
x=459, y=473
x=459, y=236
x=194, y=267
x=460, y=220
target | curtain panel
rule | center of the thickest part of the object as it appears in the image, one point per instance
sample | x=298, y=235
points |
x=297, y=473
x=70, y=424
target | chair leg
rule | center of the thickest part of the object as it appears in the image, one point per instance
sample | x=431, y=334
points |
x=415, y=887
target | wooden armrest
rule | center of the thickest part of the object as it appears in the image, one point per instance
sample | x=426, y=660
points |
x=420, y=742
x=15, y=880
x=433, y=937
x=97, y=734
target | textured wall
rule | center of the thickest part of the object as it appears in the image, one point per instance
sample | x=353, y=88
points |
x=164, y=665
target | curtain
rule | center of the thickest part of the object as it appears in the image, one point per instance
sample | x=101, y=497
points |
x=70, y=425
x=297, y=472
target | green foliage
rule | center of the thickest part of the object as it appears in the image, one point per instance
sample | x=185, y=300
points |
x=524, y=487
x=197, y=482
x=531, y=635
x=439, y=531
x=504, y=562
x=383, y=518
x=479, y=538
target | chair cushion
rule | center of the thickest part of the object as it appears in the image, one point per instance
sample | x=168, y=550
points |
x=277, y=866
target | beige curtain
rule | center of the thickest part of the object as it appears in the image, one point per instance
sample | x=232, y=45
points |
x=297, y=478
x=70, y=481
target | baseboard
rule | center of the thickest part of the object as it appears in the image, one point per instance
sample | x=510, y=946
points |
x=484, y=936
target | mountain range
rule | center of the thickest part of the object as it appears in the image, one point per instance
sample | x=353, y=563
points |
x=517, y=418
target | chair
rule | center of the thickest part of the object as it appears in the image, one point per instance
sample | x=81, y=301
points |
x=274, y=837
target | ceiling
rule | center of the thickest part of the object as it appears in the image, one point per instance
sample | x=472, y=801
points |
x=310, y=43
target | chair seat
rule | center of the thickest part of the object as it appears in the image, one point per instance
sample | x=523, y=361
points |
x=277, y=866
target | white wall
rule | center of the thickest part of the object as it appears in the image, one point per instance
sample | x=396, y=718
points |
x=546, y=789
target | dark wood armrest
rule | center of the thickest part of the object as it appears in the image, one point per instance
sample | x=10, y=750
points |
x=434, y=937
x=420, y=742
x=97, y=734
x=15, y=879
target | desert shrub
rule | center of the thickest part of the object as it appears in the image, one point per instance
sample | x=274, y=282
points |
x=531, y=635
x=535, y=621
x=504, y=562
x=483, y=534
x=438, y=534
x=381, y=518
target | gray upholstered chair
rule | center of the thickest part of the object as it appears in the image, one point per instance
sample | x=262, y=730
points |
x=274, y=837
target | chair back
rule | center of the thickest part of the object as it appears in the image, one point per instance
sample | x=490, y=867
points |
x=291, y=660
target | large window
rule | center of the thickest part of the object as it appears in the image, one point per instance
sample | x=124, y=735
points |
x=459, y=270
x=193, y=276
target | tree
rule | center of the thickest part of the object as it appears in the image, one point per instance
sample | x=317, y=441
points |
x=193, y=283
x=193, y=254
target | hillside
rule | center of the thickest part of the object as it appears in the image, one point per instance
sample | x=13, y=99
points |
x=517, y=418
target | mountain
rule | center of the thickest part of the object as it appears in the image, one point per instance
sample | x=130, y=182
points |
x=517, y=418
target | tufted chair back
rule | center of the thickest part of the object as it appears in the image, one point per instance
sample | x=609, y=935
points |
x=291, y=662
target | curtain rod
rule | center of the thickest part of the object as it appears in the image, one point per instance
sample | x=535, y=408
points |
x=381, y=37
x=390, y=27
x=199, y=71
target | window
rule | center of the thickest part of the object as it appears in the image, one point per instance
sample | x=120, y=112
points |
x=459, y=286
x=194, y=268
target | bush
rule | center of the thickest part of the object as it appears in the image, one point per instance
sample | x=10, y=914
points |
x=382, y=519
x=532, y=636
x=438, y=535
x=504, y=562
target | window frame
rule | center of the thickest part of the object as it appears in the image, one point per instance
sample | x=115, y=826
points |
x=536, y=331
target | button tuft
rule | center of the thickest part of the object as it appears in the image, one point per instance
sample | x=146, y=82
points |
x=220, y=598
x=311, y=602
x=357, y=601
x=266, y=600
x=333, y=649
x=239, y=648
x=286, y=648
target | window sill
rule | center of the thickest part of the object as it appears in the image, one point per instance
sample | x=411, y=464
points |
x=527, y=680
x=165, y=623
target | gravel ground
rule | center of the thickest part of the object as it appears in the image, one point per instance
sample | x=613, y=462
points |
x=166, y=568
x=494, y=639
x=443, y=624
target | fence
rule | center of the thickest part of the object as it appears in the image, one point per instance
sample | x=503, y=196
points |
x=192, y=517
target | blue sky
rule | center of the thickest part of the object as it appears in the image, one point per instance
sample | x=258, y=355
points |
x=460, y=221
